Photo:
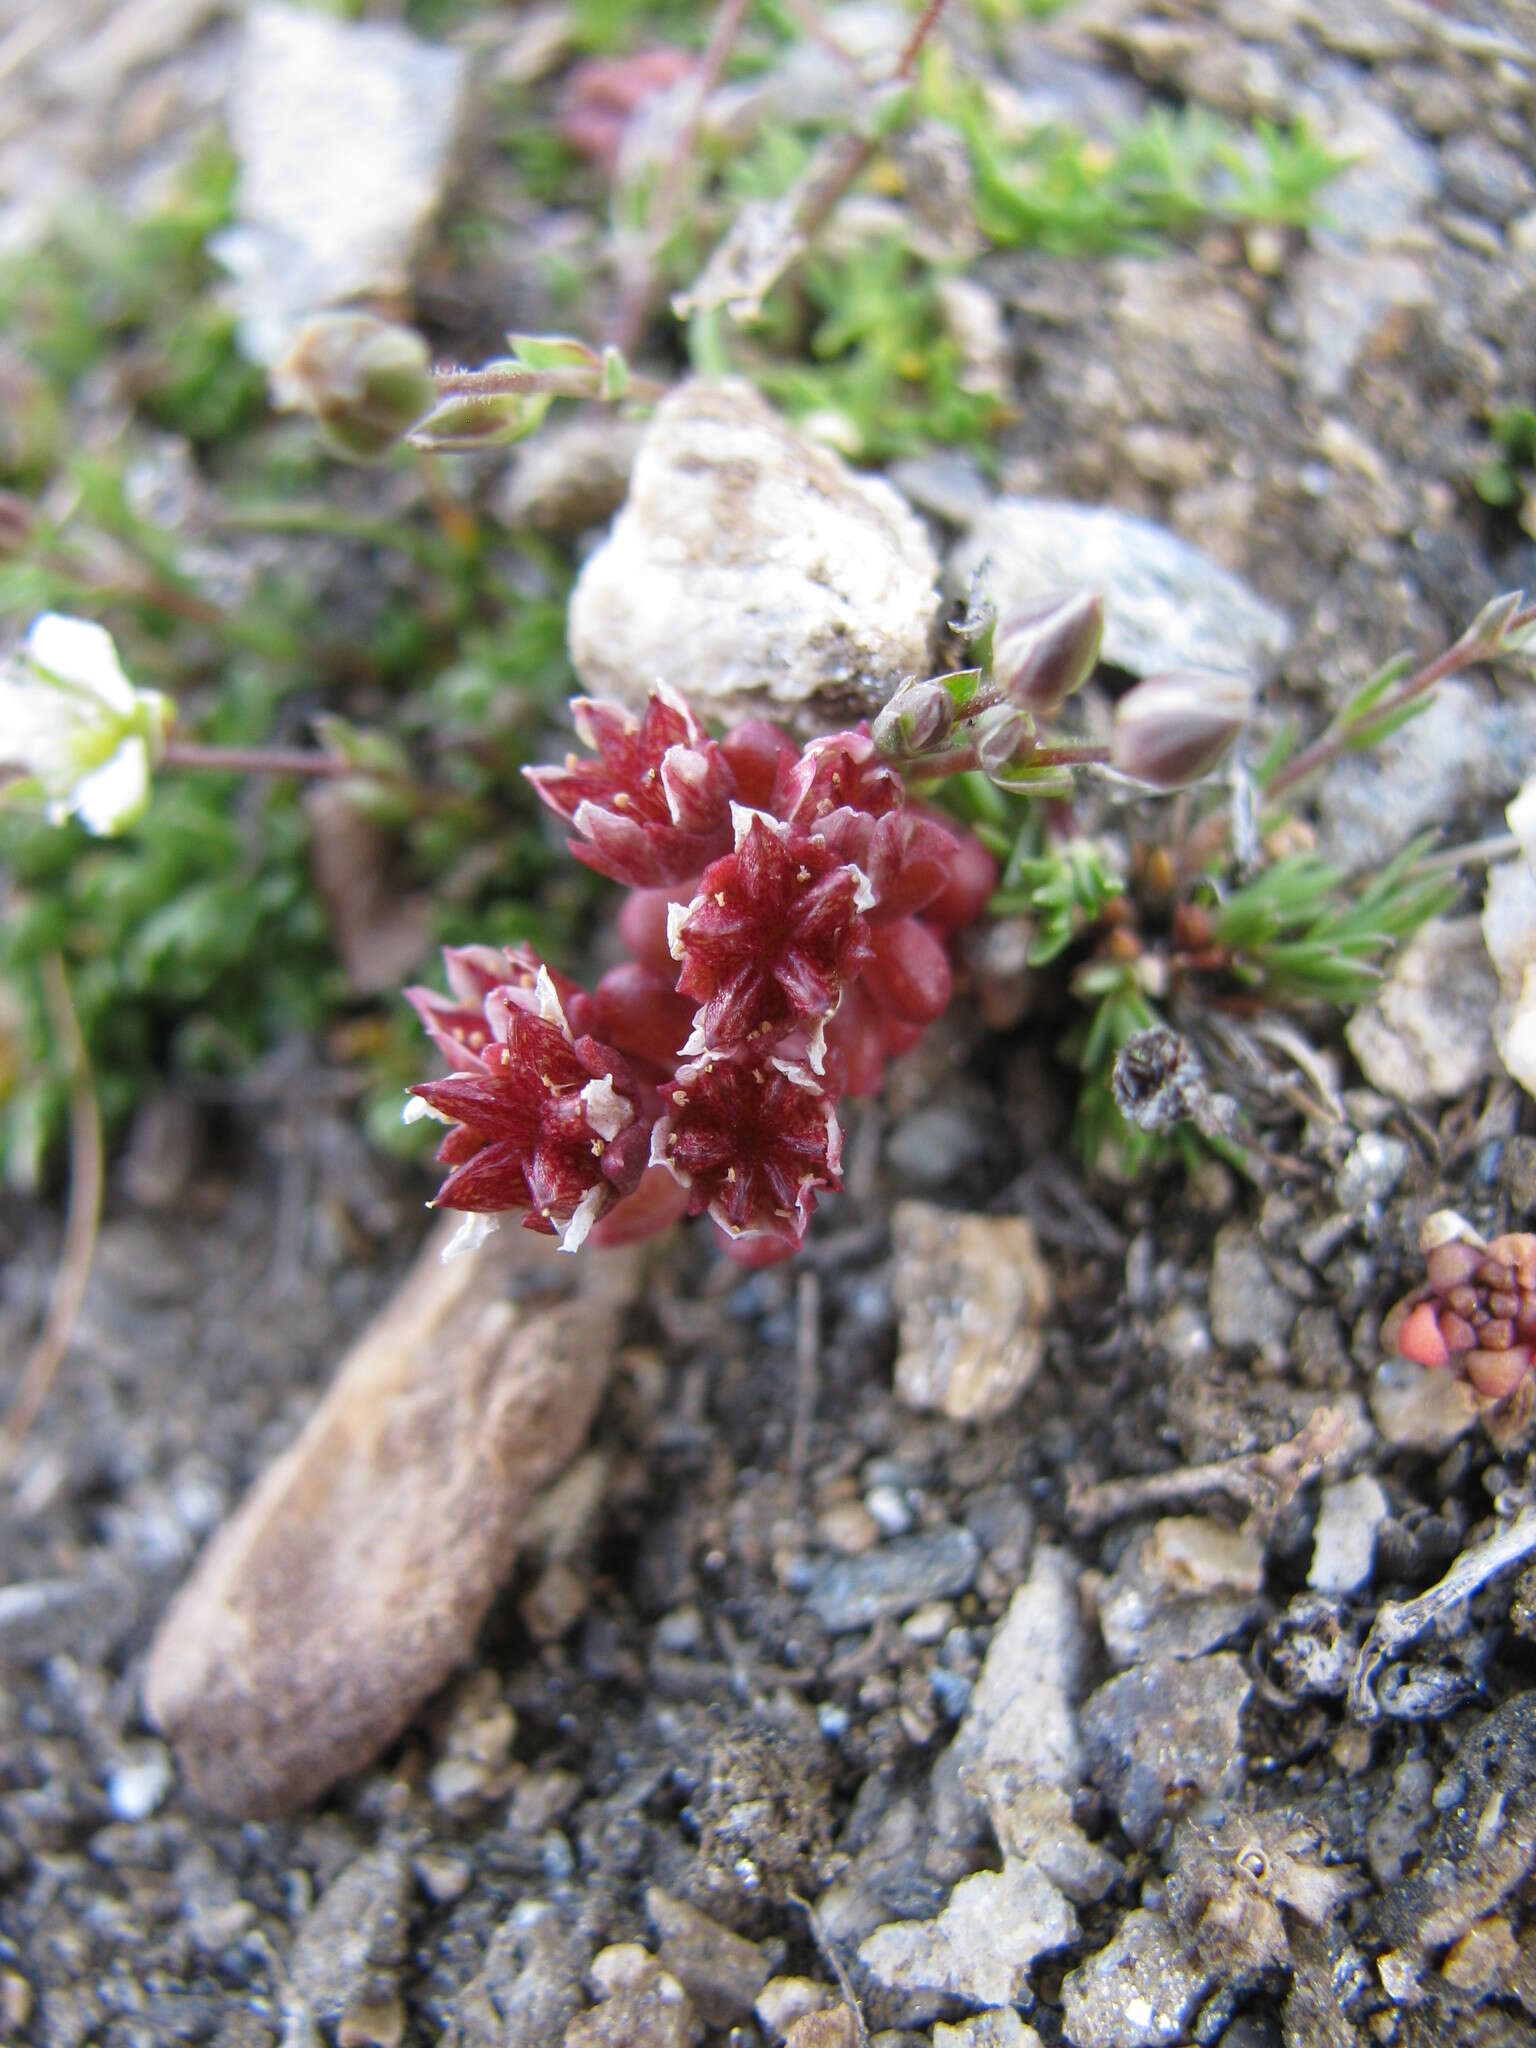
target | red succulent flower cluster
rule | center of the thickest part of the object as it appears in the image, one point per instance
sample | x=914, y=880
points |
x=788, y=919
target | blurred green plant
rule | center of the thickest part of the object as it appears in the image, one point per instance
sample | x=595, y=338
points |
x=1506, y=477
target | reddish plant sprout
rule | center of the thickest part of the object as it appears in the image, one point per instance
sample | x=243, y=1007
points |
x=1475, y=1315
x=655, y=805
x=773, y=935
x=786, y=918
x=752, y=1140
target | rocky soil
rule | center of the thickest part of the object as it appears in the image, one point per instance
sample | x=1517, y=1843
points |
x=993, y=1628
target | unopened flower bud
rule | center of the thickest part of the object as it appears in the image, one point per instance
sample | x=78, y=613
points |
x=1045, y=649
x=365, y=382
x=1171, y=730
x=919, y=717
x=1006, y=742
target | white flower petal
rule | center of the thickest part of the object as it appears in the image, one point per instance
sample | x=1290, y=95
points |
x=81, y=654
x=743, y=817
x=470, y=1235
x=112, y=796
x=588, y=1209
x=417, y=1107
x=608, y=1112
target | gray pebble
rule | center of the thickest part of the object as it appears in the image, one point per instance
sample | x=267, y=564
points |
x=855, y=1592
x=1372, y=1171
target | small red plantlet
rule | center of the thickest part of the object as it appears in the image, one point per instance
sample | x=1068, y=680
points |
x=1475, y=1315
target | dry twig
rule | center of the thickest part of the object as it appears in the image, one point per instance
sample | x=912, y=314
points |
x=1264, y=1482
x=1400, y=1622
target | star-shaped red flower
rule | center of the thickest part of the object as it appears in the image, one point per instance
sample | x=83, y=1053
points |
x=775, y=932
x=752, y=1140
x=544, y=1122
x=655, y=804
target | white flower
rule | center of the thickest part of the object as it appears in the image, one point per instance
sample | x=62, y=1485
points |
x=74, y=726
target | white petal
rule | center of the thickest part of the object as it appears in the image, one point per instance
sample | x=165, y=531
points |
x=82, y=654
x=608, y=1112
x=549, y=1001
x=743, y=817
x=113, y=796
x=39, y=730
x=417, y=1107
x=678, y=915
x=470, y=1235
x=588, y=1209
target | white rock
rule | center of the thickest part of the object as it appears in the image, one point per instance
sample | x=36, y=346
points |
x=983, y=1945
x=1427, y=1036
x=1419, y=1410
x=783, y=2000
x=971, y=1295
x=1021, y=1711
x=1509, y=932
x=344, y=133
x=1167, y=605
x=1453, y=757
x=754, y=572
x=1342, y=297
x=1196, y=1554
x=987, y=2030
x=1136, y=1993
x=1344, y=1543
x=138, y=1785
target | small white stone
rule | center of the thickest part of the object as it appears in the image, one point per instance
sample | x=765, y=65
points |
x=1344, y=1545
x=1002, y=2029
x=139, y=1784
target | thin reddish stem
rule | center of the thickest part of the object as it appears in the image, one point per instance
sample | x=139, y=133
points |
x=638, y=285
x=305, y=761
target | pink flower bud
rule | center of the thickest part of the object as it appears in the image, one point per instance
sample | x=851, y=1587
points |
x=1048, y=647
x=920, y=716
x=1172, y=729
x=909, y=973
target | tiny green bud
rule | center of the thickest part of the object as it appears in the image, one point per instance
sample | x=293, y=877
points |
x=919, y=717
x=365, y=382
x=1045, y=649
x=1171, y=730
x=1006, y=741
x=484, y=418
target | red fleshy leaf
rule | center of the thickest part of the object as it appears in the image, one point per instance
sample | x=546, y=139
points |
x=909, y=972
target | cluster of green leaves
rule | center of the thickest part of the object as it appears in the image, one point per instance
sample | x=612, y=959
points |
x=135, y=289
x=1064, y=887
x=877, y=373
x=1301, y=932
x=856, y=340
x=1506, y=477
x=197, y=942
x=1172, y=174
